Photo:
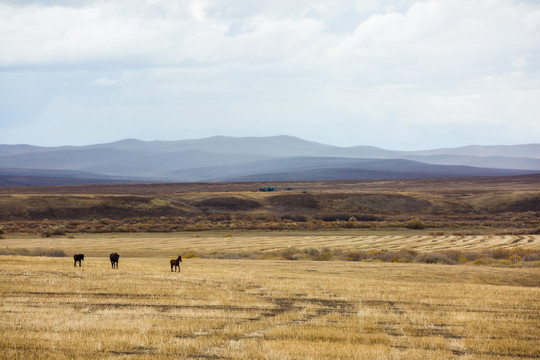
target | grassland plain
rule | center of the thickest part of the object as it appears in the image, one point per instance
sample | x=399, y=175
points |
x=212, y=243
x=243, y=309
x=270, y=309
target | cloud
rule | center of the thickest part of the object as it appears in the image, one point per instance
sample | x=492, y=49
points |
x=315, y=65
x=105, y=81
x=157, y=33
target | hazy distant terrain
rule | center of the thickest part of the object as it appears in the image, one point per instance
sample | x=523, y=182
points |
x=251, y=159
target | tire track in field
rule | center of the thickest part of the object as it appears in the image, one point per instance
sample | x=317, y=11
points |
x=305, y=309
x=399, y=332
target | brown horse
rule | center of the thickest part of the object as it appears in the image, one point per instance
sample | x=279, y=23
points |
x=175, y=263
x=78, y=257
x=114, y=259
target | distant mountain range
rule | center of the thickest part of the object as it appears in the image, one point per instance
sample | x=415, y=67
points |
x=273, y=158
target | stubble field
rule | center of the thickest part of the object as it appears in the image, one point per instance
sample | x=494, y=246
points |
x=242, y=309
x=239, y=308
x=231, y=243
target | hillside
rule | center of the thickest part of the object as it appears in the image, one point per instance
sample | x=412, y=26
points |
x=508, y=204
x=252, y=159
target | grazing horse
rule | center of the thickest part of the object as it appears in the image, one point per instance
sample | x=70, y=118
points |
x=77, y=257
x=114, y=259
x=175, y=263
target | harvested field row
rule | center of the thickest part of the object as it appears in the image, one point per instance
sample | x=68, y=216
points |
x=169, y=244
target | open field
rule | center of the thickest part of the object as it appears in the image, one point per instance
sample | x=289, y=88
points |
x=238, y=242
x=241, y=309
x=269, y=308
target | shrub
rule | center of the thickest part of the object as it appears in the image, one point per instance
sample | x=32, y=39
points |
x=455, y=255
x=499, y=253
x=219, y=217
x=49, y=252
x=290, y=253
x=483, y=261
x=190, y=256
x=312, y=252
x=531, y=255
x=435, y=258
x=53, y=230
x=334, y=217
x=415, y=223
x=325, y=255
x=34, y=252
x=356, y=256
x=365, y=217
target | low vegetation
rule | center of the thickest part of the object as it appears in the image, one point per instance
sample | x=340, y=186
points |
x=398, y=247
x=517, y=224
x=495, y=257
x=232, y=309
x=32, y=252
x=504, y=205
x=344, y=270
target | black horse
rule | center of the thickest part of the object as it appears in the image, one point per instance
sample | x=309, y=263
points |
x=175, y=263
x=114, y=259
x=78, y=257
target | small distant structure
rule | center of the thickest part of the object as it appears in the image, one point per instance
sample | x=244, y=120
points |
x=288, y=189
x=268, y=189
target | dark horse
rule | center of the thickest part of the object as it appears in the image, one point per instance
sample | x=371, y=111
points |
x=175, y=263
x=114, y=259
x=77, y=257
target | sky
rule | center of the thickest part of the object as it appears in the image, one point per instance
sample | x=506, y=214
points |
x=402, y=75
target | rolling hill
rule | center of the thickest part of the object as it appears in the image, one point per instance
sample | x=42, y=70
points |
x=273, y=158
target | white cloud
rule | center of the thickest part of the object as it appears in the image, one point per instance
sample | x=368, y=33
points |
x=155, y=32
x=198, y=10
x=520, y=62
x=105, y=81
x=416, y=62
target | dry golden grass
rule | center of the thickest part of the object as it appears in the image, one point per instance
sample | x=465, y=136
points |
x=170, y=244
x=239, y=309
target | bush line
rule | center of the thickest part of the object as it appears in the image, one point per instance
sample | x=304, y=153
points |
x=515, y=257
x=33, y=252
x=227, y=222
